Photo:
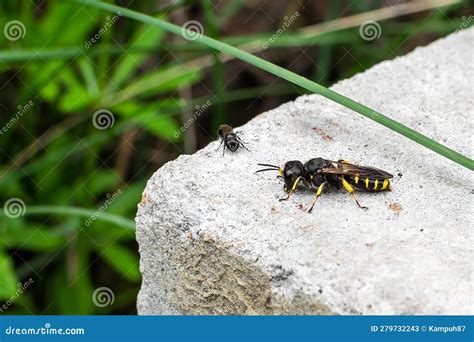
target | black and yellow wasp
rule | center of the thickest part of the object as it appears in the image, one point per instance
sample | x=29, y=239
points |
x=320, y=174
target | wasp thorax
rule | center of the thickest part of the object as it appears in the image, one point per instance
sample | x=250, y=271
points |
x=310, y=169
x=224, y=130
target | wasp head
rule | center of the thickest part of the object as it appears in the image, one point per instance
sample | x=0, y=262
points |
x=292, y=170
x=231, y=141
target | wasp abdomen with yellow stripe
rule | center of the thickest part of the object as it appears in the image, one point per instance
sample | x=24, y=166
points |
x=369, y=184
x=320, y=174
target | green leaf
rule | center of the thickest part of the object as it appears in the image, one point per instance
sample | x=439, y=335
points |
x=162, y=80
x=56, y=156
x=32, y=239
x=162, y=126
x=127, y=201
x=124, y=203
x=70, y=292
x=59, y=28
x=144, y=37
x=87, y=69
x=9, y=281
x=65, y=23
x=76, y=97
x=49, y=75
x=296, y=79
x=102, y=182
x=122, y=260
x=151, y=118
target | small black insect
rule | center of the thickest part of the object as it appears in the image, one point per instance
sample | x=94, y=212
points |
x=231, y=140
x=320, y=174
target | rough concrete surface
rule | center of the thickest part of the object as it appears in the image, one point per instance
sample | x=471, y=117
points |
x=214, y=239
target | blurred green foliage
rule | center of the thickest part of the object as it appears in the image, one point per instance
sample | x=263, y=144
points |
x=67, y=171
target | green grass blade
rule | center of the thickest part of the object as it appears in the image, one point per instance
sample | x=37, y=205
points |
x=8, y=286
x=294, y=78
x=125, y=223
x=87, y=69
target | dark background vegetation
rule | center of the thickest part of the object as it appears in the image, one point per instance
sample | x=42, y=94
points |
x=54, y=159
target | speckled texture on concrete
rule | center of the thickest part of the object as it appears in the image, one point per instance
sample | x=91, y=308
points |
x=214, y=239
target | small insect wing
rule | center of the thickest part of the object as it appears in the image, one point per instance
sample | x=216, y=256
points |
x=346, y=169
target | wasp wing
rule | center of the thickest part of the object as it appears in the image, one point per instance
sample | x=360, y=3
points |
x=347, y=169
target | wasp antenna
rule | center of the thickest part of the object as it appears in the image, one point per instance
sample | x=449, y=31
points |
x=269, y=165
x=262, y=170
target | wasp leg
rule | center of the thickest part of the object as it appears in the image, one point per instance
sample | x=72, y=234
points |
x=220, y=145
x=242, y=144
x=344, y=161
x=350, y=190
x=223, y=147
x=293, y=189
x=318, y=193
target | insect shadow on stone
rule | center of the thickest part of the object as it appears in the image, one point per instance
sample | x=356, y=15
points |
x=320, y=174
x=230, y=139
